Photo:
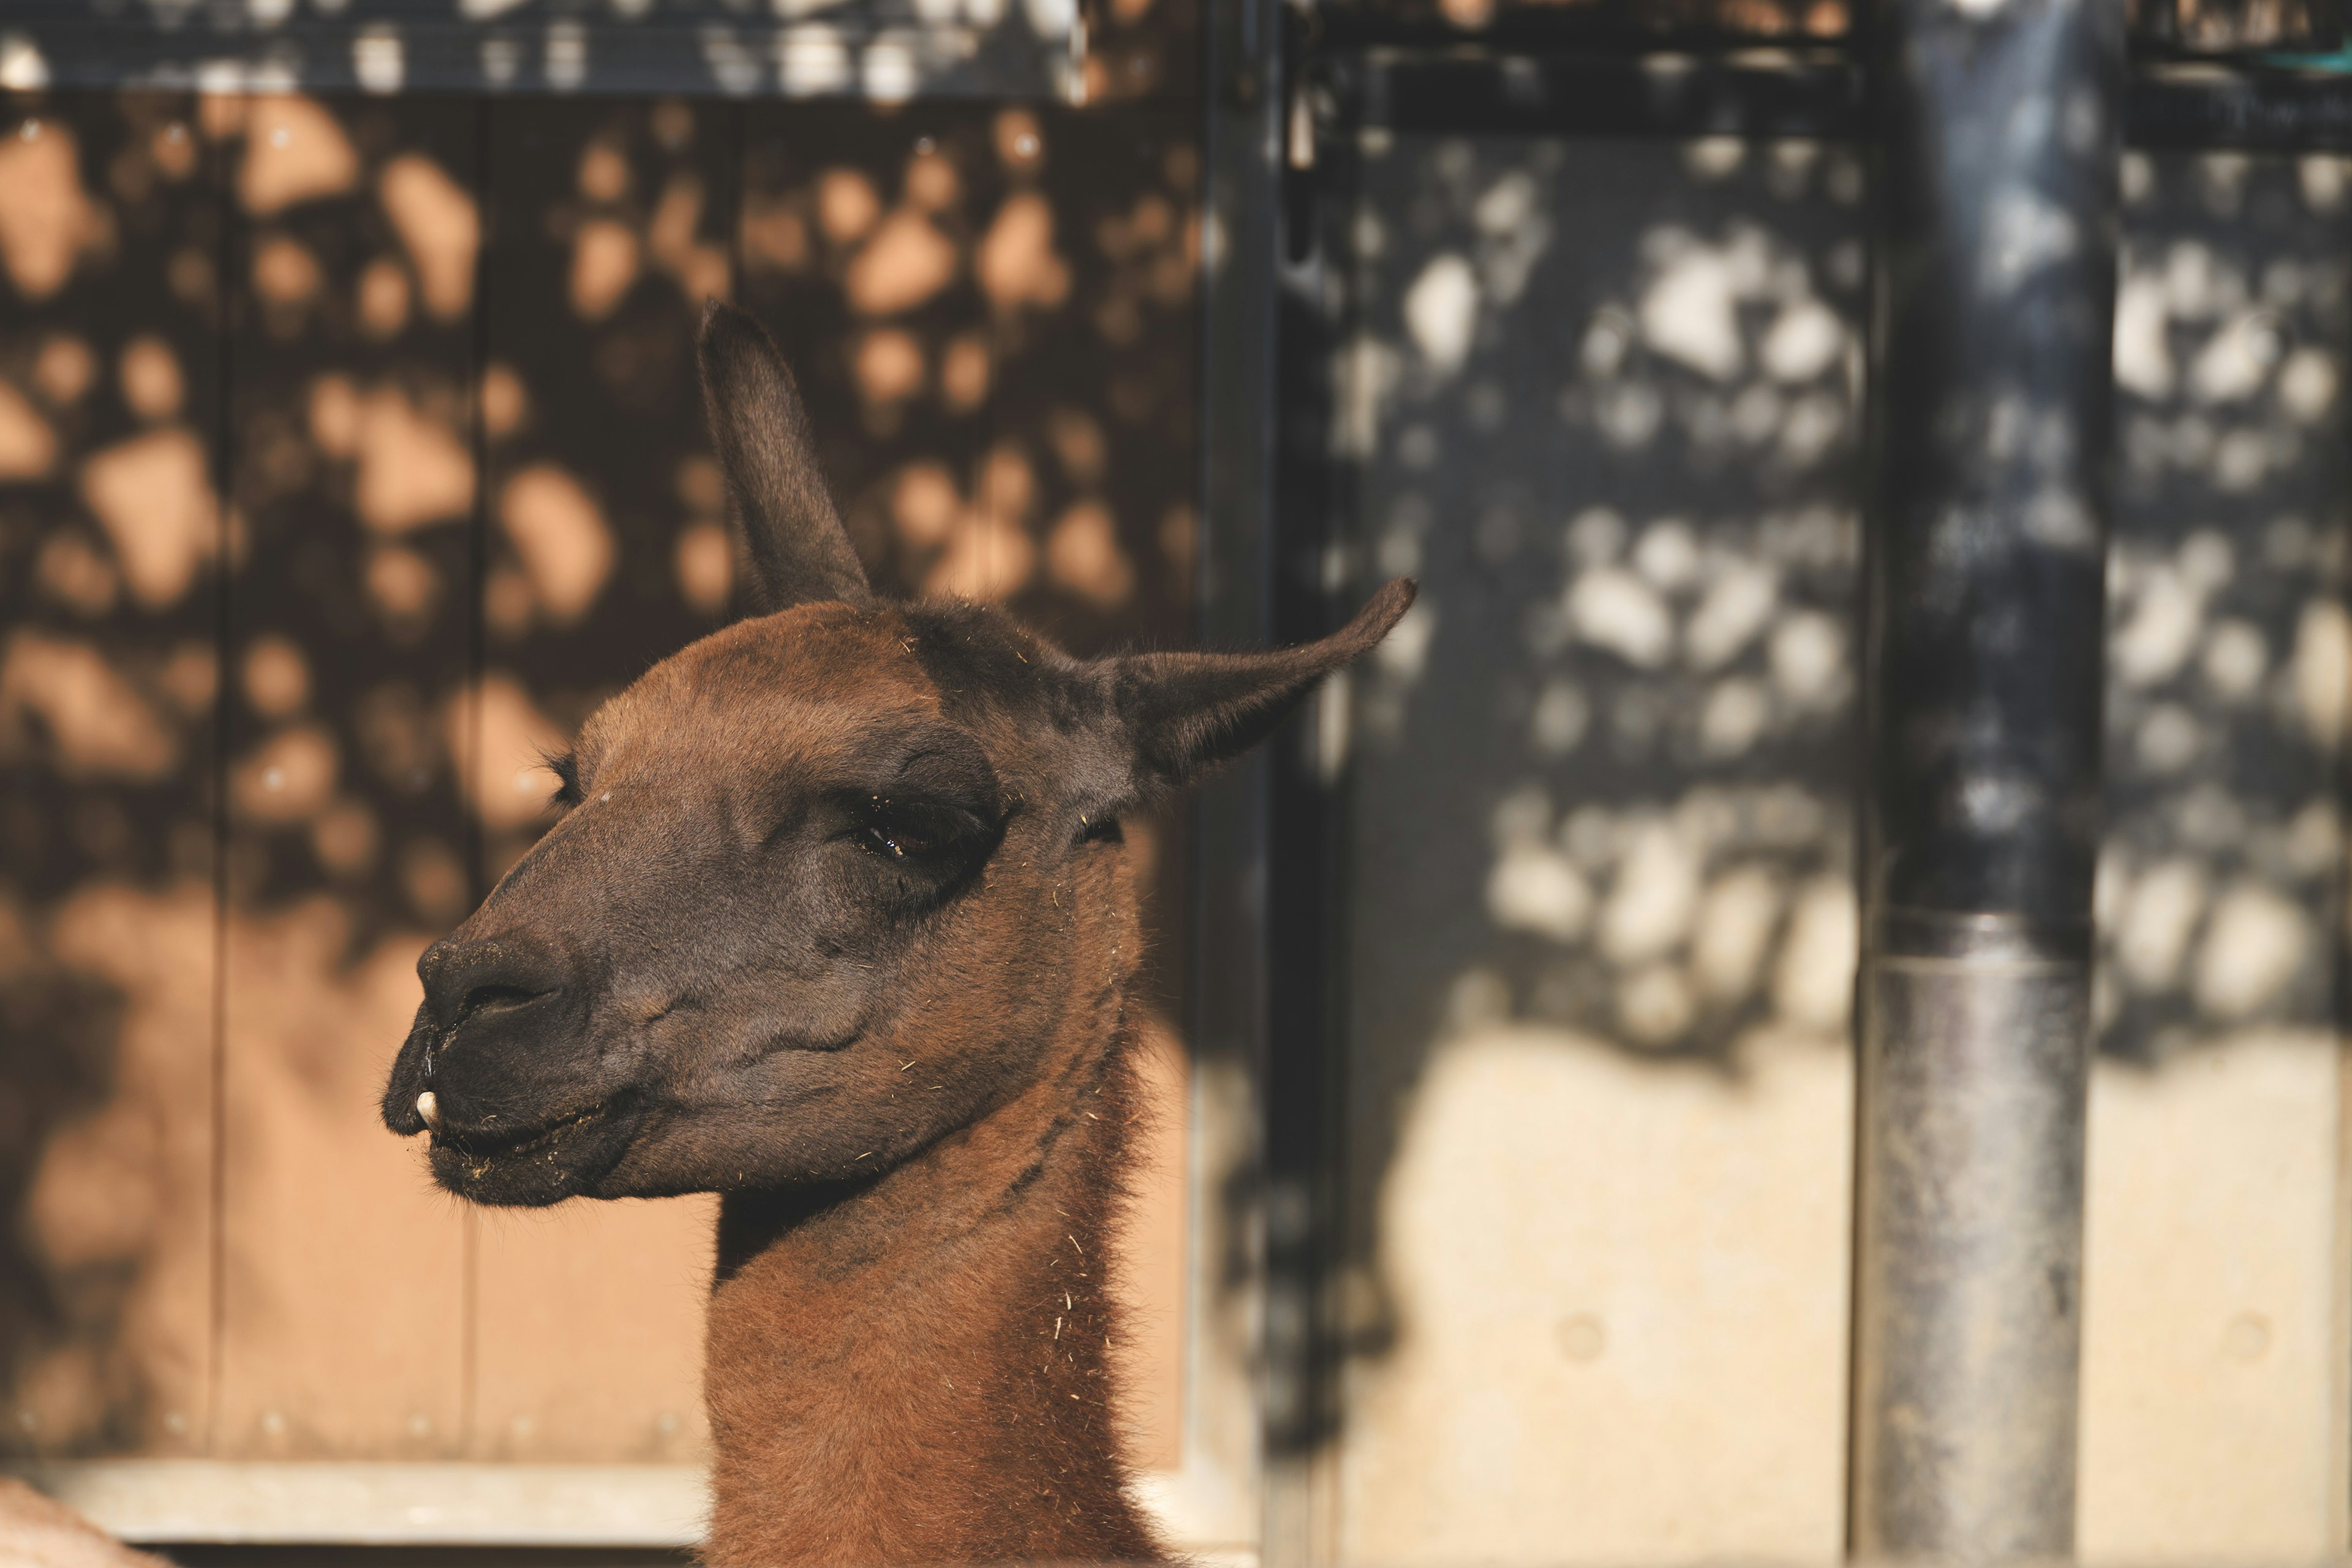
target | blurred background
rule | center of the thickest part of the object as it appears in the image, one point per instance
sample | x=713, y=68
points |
x=350, y=454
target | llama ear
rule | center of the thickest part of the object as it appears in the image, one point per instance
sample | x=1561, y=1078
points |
x=1186, y=712
x=791, y=547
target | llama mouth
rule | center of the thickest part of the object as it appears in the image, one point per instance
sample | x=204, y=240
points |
x=535, y=1165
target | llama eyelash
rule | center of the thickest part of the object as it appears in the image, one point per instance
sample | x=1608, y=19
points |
x=566, y=766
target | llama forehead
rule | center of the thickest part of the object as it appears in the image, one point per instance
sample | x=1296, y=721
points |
x=820, y=686
x=796, y=679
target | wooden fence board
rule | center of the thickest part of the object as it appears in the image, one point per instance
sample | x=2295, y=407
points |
x=347, y=652
x=109, y=357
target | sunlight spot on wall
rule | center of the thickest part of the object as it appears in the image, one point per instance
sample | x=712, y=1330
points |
x=334, y=415
x=383, y=299
x=1715, y=157
x=700, y=270
x=152, y=494
x=604, y=172
x=511, y=786
x=1559, y=718
x=277, y=678
x=964, y=372
x=1813, y=987
x=413, y=470
x=566, y=546
x=47, y=218
x=1440, y=312
x=889, y=367
x=2323, y=650
x=2236, y=360
x=23, y=68
x=150, y=376
x=295, y=151
x=1737, y=915
x=96, y=725
x=846, y=205
x=2237, y=657
x=433, y=879
x=1366, y=371
x=704, y=562
x=2306, y=384
x=1654, y=898
x=346, y=837
x=29, y=447
x=2161, y=631
x=2143, y=361
x=95, y=1194
x=1737, y=607
x=1016, y=264
x=2159, y=915
x=505, y=402
x=1535, y=888
x=289, y=778
x=1734, y=716
x=441, y=229
x=1808, y=657
x=1805, y=338
x=1083, y=554
x=72, y=573
x=604, y=265
x=2253, y=946
x=925, y=504
x=285, y=273
x=2168, y=740
x=64, y=369
x=1687, y=312
x=1615, y=609
x=1404, y=654
x=1668, y=554
x=1654, y=1006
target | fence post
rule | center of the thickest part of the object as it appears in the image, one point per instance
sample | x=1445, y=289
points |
x=1996, y=135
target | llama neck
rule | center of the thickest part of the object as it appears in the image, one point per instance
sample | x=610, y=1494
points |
x=919, y=1369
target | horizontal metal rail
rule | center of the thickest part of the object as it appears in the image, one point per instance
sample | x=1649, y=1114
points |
x=1796, y=92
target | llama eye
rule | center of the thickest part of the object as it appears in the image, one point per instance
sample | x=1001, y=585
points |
x=900, y=845
x=911, y=830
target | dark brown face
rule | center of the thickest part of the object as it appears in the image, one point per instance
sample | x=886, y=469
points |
x=827, y=881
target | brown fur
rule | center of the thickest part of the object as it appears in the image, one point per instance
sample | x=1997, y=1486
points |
x=35, y=1533
x=840, y=925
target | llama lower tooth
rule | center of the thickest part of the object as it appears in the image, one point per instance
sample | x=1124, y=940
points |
x=429, y=1108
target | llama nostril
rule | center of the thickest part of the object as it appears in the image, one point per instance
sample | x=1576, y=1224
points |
x=477, y=980
x=487, y=999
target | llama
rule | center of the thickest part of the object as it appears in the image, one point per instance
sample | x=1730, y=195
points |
x=838, y=924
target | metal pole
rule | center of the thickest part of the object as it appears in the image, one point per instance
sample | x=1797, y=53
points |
x=1996, y=146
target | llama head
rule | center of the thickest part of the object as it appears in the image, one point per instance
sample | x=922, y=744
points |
x=827, y=880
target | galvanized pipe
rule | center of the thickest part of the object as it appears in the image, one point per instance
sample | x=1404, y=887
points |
x=1996, y=135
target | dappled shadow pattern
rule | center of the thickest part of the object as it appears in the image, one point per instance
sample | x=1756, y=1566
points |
x=1603, y=398
x=2228, y=639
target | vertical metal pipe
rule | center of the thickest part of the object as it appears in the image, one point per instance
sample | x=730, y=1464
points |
x=1996, y=146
